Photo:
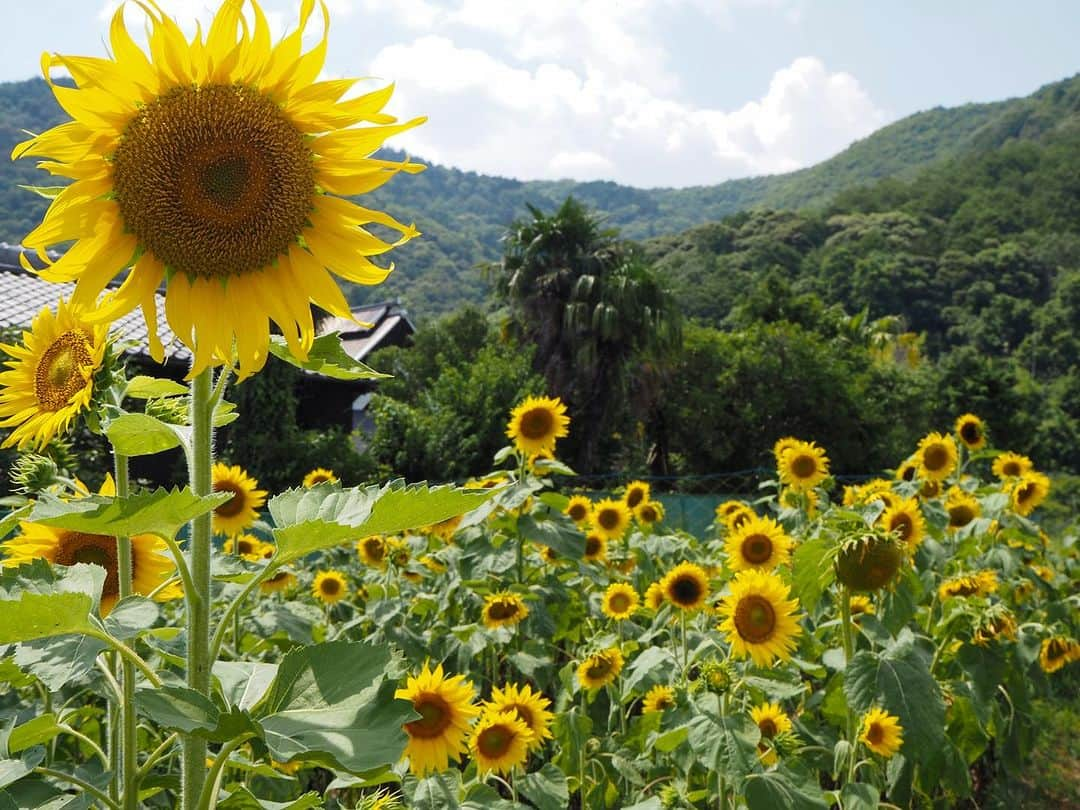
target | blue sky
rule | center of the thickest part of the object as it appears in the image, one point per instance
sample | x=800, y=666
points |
x=644, y=92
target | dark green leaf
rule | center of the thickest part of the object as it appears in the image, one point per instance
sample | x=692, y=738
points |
x=775, y=790
x=557, y=532
x=131, y=616
x=326, y=357
x=178, y=708
x=857, y=796
x=812, y=571
x=546, y=788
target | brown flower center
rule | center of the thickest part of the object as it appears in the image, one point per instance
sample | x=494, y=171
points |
x=767, y=727
x=536, y=423
x=524, y=713
x=578, y=512
x=970, y=433
x=935, y=457
x=755, y=619
x=619, y=603
x=803, y=466
x=634, y=496
x=1025, y=492
x=908, y=473
x=902, y=523
x=214, y=181
x=94, y=549
x=495, y=740
x=685, y=591
x=374, y=548
x=960, y=515
x=648, y=514
x=502, y=609
x=757, y=549
x=1011, y=469
x=592, y=546
x=235, y=505
x=599, y=667
x=607, y=519
x=58, y=376
x=435, y=716
x=330, y=586
x=875, y=734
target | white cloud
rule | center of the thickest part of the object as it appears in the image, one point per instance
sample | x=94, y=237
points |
x=550, y=121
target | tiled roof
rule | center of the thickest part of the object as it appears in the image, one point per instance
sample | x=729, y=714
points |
x=22, y=295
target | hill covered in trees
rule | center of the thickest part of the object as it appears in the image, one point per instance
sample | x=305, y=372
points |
x=464, y=214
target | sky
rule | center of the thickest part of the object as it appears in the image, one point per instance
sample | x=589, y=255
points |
x=643, y=92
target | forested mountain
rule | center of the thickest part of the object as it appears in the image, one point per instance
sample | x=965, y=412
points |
x=464, y=214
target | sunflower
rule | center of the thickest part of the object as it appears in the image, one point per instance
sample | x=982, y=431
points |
x=737, y=517
x=217, y=166
x=758, y=618
x=905, y=520
x=658, y=699
x=724, y=510
x=982, y=583
x=1011, y=465
x=781, y=445
x=320, y=475
x=803, y=465
x=446, y=712
x=610, y=519
x=649, y=513
x=151, y=566
x=771, y=721
x=869, y=561
x=280, y=582
x=595, y=547
x=997, y=625
x=537, y=423
x=49, y=379
x=1056, y=652
x=882, y=732
x=578, y=509
x=936, y=456
x=248, y=546
x=654, y=596
x=971, y=431
x=241, y=510
x=445, y=529
x=620, y=601
x=637, y=492
x=531, y=707
x=503, y=609
x=372, y=550
x=600, y=668
x=908, y=471
x=500, y=742
x=1028, y=492
x=962, y=507
x=929, y=489
x=759, y=543
x=686, y=586
x=330, y=587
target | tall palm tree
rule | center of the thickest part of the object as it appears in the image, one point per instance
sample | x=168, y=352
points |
x=592, y=306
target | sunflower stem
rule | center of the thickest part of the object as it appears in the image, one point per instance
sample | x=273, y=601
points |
x=198, y=598
x=849, y=653
x=129, y=722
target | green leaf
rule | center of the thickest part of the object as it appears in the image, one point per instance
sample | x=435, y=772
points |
x=12, y=770
x=774, y=688
x=309, y=520
x=244, y=683
x=775, y=790
x=727, y=744
x=33, y=732
x=244, y=799
x=8, y=522
x=898, y=678
x=334, y=704
x=37, y=603
x=131, y=616
x=162, y=512
x=812, y=571
x=858, y=796
x=438, y=792
x=326, y=357
x=178, y=708
x=648, y=804
x=60, y=661
x=546, y=788
x=557, y=532
x=143, y=387
x=654, y=665
x=137, y=434
x=670, y=740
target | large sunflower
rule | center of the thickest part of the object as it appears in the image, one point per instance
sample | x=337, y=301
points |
x=619, y=601
x=758, y=618
x=971, y=431
x=530, y=706
x=759, y=543
x=446, y=712
x=936, y=456
x=882, y=733
x=536, y=423
x=214, y=166
x=49, y=379
x=503, y=609
x=803, y=465
x=610, y=518
x=1028, y=492
x=905, y=520
x=151, y=566
x=658, y=699
x=686, y=586
x=963, y=507
x=600, y=668
x=500, y=742
x=241, y=510
x=578, y=509
x=649, y=513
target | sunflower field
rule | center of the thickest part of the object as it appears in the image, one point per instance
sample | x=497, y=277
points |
x=510, y=642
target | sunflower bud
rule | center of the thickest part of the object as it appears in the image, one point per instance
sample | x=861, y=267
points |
x=869, y=561
x=171, y=410
x=33, y=473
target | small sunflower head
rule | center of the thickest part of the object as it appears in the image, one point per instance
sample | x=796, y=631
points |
x=870, y=560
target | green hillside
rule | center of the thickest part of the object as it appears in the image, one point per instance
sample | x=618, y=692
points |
x=464, y=214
